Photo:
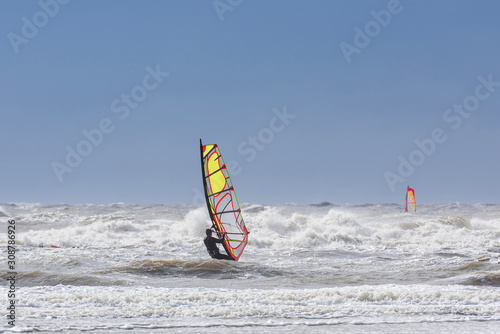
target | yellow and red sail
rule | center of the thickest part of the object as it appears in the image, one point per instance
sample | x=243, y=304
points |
x=410, y=200
x=221, y=200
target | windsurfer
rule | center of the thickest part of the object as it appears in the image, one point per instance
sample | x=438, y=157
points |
x=212, y=248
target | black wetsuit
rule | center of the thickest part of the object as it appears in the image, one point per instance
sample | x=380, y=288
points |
x=213, y=250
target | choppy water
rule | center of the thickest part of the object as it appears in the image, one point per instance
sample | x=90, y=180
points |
x=317, y=268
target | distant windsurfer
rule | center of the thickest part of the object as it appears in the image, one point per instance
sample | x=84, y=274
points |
x=212, y=248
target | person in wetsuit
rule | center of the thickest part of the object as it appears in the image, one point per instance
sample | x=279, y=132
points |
x=212, y=248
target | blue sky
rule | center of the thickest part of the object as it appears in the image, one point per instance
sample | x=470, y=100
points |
x=310, y=101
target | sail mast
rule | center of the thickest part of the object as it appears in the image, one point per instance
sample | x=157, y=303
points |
x=204, y=177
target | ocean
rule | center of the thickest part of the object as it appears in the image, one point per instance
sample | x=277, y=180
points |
x=307, y=268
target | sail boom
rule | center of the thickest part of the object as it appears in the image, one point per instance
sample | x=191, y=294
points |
x=231, y=211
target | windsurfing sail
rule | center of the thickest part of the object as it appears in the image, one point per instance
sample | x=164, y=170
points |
x=410, y=200
x=222, y=204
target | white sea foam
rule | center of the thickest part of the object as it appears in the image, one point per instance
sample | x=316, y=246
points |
x=316, y=265
x=271, y=226
x=250, y=306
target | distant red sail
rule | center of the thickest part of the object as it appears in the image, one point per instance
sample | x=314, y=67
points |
x=410, y=200
x=222, y=204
